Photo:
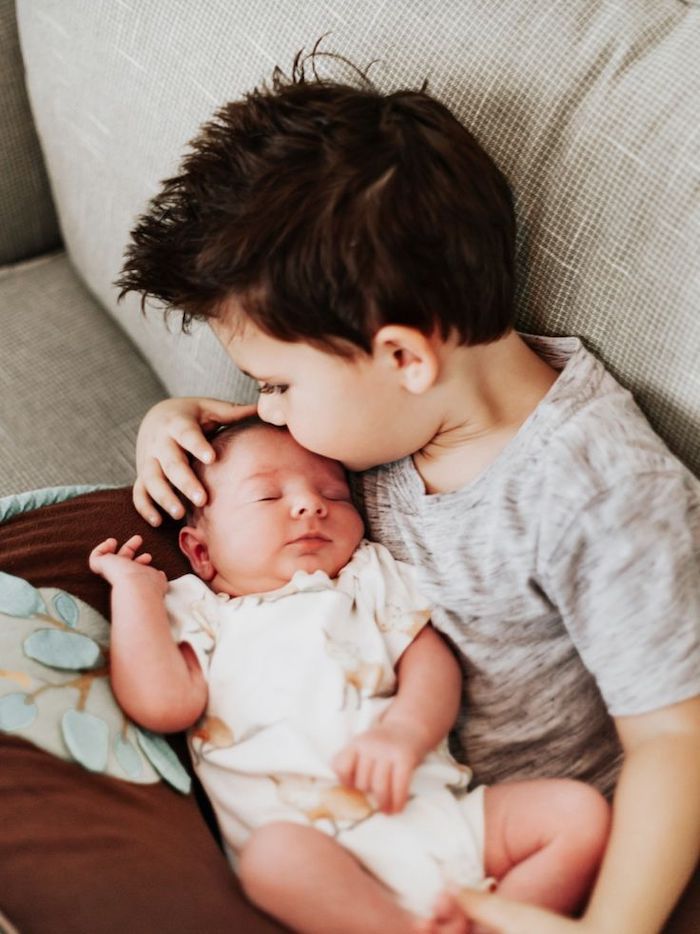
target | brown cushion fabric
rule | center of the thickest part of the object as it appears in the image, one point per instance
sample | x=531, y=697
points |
x=82, y=852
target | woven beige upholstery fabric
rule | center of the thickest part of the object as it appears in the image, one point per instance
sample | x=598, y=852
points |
x=592, y=108
x=28, y=224
x=72, y=386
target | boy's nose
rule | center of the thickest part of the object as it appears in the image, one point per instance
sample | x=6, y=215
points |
x=270, y=410
x=306, y=506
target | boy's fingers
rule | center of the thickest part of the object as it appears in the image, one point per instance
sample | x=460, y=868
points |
x=217, y=412
x=160, y=490
x=191, y=439
x=143, y=504
x=504, y=916
x=179, y=473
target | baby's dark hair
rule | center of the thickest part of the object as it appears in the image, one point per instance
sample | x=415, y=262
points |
x=220, y=439
x=329, y=210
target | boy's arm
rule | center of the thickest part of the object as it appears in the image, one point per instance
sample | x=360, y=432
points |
x=382, y=759
x=656, y=821
x=157, y=683
x=654, y=841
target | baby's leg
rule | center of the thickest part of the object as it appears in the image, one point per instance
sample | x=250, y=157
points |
x=308, y=881
x=544, y=840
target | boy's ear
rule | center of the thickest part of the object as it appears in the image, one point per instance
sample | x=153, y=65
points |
x=411, y=354
x=192, y=543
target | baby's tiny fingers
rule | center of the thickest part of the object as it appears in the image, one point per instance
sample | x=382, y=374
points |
x=363, y=773
x=344, y=766
x=381, y=785
x=106, y=547
x=400, y=780
x=145, y=558
x=131, y=546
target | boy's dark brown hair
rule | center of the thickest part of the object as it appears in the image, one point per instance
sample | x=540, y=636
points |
x=329, y=210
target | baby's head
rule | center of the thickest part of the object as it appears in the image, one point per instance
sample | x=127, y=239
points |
x=274, y=508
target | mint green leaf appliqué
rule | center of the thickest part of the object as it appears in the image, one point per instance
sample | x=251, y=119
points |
x=70, y=651
x=18, y=597
x=87, y=739
x=16, y=712
x=164, y=760
x=66, y=608
x=127, y=757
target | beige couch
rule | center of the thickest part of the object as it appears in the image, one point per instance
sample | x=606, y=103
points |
x=592, y=108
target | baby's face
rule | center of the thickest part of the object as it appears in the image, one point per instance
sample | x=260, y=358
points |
x=274, y=509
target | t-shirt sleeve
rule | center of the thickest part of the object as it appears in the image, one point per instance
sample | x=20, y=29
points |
x=400, y=609
x=193, y=614
x=625, y=577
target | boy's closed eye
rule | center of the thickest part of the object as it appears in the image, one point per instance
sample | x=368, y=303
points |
x=272, y=388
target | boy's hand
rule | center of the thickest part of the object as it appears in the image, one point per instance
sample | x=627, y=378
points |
x=118, y=565
x=168, y=431
x=381, y=761
x=502, y=916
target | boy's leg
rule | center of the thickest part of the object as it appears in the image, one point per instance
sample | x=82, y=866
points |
x=306, y=879
x=544, y=840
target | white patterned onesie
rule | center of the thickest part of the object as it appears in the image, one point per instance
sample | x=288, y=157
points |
x=293, y=675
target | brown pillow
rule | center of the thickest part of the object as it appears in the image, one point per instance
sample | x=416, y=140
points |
x=84, y=852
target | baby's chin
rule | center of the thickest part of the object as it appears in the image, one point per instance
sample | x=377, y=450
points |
x=329, y=564
x=267, y=582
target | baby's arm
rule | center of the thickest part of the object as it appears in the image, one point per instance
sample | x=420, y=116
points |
x=158, y=683
x=382, y=759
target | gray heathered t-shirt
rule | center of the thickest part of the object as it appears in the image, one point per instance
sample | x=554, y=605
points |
x=566, y=575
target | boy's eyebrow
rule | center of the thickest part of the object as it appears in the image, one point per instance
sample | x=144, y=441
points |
x=259, y=379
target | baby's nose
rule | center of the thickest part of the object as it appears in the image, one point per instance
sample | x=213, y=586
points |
x=309, y=505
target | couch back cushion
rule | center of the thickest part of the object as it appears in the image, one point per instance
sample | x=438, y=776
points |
x=591, y=109
x=28, y=223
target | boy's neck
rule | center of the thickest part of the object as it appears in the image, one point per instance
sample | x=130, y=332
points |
x=485, y=394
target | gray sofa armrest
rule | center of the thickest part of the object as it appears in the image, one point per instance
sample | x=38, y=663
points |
x=28, y=224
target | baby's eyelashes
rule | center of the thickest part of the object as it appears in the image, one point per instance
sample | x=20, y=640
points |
x=272, y=388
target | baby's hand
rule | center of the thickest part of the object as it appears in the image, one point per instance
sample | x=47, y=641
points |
x=381, y=761
x=168, y=431
x=116, y=566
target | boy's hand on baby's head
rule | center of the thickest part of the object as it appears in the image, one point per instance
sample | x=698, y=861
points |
x=381, y=762
x=169, y=431
x=120, y=564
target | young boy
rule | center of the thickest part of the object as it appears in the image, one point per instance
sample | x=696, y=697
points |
x=354, y=252
x=307, y=650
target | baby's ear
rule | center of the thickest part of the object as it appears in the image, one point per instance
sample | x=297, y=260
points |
x=193, y=544
x=409, y=353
